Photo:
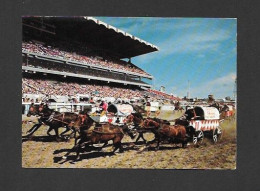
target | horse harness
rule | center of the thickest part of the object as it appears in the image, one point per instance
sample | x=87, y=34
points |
x=52, y=118
x=98, y=131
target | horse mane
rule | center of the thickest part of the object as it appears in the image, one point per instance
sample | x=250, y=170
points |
x=138, y=108
x=138, y=115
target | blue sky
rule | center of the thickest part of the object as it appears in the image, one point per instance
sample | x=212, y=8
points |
x=199, y=50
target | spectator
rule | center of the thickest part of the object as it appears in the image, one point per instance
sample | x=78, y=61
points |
x=84, y=59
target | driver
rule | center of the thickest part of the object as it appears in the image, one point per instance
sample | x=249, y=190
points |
x=103, y=107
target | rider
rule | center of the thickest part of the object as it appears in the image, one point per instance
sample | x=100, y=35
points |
x=103, y=106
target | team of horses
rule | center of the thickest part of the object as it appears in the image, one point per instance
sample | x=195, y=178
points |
x=87, y=132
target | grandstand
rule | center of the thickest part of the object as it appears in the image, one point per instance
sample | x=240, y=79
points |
x=66, y=56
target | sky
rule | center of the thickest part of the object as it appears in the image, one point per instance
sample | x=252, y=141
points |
x=198, y=55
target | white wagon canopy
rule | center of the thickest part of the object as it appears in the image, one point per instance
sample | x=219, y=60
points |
x=206, y=113
x=120, y=110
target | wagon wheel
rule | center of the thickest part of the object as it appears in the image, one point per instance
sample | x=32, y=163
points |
x=217, y=134
x=198, y=137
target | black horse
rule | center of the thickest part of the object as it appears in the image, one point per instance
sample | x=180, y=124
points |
x=53, y=119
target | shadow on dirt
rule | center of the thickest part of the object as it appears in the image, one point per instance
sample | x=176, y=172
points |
x=83, y=156
x=43, y=139
x=91, y=152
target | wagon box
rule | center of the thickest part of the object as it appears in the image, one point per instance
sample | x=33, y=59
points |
x=204, y=120
x=116, y=113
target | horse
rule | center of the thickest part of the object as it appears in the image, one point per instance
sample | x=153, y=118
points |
x=166, y=131
x=175, y=132
x=83, y=126
x=139, y=109
x=142, y=125
x=91, y=133
x=53, y=119
x=35, y=109
x=136, y=119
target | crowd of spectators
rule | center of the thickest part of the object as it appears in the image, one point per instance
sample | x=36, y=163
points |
x=49, y=87
x=32, y=86
x=81, y=70
x=161, y=95
x=73, y=56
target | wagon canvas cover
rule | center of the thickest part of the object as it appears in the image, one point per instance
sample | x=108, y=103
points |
x=120, y=110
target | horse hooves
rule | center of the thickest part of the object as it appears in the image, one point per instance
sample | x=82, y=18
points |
x=64, y=157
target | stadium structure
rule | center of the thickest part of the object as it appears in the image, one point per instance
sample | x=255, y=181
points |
x=82, y=50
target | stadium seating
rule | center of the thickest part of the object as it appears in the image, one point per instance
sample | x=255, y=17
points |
x=88, y=60
x=40, y=86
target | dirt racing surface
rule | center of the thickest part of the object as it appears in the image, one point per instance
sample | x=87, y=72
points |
x=43, y=151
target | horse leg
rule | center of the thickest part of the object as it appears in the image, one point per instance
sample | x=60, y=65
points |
x=117, y=145
x=142, y=136
x=66, y=130
x=79, y=147
x=34, y=128
x=158, y=144
x=57, y=134
x=139, y=136
x=105, y=144
x=76, y=138
x=74, y=148
x=184, y=143
x=48, y=132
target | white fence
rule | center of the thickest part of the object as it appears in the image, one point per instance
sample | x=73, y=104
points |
x=61, y=107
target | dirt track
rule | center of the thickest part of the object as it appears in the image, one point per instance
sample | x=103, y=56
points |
x=44, y=152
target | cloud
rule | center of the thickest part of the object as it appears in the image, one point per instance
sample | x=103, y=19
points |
x=194, y=42
x=220, y=87
x=173, y=35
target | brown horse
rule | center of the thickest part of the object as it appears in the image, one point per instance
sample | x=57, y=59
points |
x=83, y=126
x=138, y=121
x=53, y=119
x=35, y=109
x=144, y=125
x=91, y=133
x=175, y=132
x=162, y=130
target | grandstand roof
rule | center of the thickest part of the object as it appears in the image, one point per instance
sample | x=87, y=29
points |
x=95, y=32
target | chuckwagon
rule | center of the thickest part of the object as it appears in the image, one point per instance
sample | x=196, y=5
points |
x=116, y=114
x=205, y=121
